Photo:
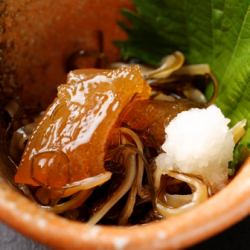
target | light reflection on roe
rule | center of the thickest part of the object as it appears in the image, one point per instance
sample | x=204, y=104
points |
x=72, y=132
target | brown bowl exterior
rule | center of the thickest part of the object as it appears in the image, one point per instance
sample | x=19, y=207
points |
x=33, y=77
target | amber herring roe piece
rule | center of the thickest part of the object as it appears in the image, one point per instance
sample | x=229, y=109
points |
x=69, y=143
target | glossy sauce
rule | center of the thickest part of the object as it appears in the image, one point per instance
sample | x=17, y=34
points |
x=69, y=143
x=148, y=118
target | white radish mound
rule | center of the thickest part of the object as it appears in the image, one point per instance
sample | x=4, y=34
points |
x=199, y=142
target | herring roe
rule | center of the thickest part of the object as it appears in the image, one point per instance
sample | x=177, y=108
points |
x=198, y=142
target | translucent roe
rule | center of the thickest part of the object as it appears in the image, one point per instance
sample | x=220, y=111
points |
x=148, y=118
x=69, y=143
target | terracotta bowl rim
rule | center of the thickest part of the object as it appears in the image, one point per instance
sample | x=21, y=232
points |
x=218, y=213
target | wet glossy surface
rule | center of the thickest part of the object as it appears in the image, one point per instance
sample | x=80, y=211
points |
x=149, y=118
x=69, y=143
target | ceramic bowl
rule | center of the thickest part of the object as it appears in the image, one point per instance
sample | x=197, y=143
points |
x=37, y=39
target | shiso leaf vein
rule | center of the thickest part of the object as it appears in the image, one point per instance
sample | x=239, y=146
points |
x=216, y=32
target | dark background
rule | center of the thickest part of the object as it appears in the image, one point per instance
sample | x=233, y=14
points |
x=237, y=237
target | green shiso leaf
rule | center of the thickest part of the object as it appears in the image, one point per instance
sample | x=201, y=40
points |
x=241, y=152
x=216, y=32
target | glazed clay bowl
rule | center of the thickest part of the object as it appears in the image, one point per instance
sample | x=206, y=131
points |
x=38, y=38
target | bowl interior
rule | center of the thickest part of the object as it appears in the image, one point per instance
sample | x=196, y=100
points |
x=41, y=42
